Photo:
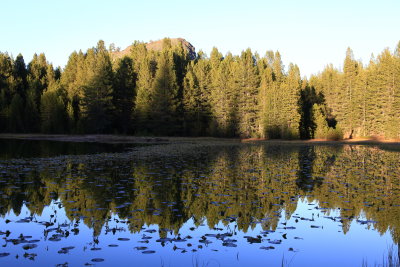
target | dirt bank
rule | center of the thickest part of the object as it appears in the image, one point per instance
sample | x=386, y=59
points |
x=121, y=139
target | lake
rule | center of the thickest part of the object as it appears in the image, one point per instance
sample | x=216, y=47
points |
x=213, y=205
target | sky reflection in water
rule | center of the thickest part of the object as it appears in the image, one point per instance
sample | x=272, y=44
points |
x=240, y=205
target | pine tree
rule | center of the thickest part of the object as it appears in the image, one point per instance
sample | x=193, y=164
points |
x=329, y=85
x=387, y=78
x=202, y=70
x=196, y=97
x=349, y=96
x=73, y=80
x=265, y=103
x=321, y=125
x=124, y=95
x=37, y=83
x=290, y=98
x=223, y=98
x=20, y=76
x=180, y=61
x=145, y=66
x=396, y=93
x=164, y=102
x=31, y=113
x=16, y=115
x=53, y=111
x=6, y=91
x=272, y=97
x=191, y=103
x=249, y=80
x=97, y=106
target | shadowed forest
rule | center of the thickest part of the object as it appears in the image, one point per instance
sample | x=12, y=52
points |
x=173, y=92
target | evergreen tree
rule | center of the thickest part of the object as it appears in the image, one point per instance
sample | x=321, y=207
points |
x=192, y=103
x=37, y=83
x=20, y=76
x=6, y=92
x=388, y=88
x=223, y=97
x=53, y=112
x=265, y=102
x=249, y=80
x=180, y=61
x=321, y=125
x=328, y=84
x=73, y=80
x=166, y=92
x=145, y=66
x=31, y=112
x=349, y=95
x=124, y=95
x=196, y=97
x=290, y=98
x=97, y=106
x=16, y=115
x=272, y=97
x=164, y=102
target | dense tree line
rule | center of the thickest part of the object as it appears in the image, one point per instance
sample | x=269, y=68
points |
x=167, y=92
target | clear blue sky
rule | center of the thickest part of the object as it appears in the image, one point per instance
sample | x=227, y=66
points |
x=310, y=33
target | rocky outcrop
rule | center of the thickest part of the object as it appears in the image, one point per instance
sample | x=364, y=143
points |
x=158, y=46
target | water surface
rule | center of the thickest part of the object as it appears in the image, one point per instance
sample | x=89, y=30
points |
x=18, y=148
x=239, y=205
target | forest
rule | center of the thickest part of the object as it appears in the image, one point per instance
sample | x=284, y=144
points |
x=170, y=92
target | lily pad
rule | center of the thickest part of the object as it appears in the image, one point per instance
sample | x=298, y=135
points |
x=148, y=252
x=267, y=248
x=141, y=248
x=29, y=246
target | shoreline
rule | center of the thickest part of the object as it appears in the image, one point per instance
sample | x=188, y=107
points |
x=116, y=139
x=355, y=141
x=128, y=139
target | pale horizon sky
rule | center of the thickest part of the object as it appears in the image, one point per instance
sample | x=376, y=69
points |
x=309, y=33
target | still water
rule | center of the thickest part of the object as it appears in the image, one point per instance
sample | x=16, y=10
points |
x=233, y=205
x=13, y=148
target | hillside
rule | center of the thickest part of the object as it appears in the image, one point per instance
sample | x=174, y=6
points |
x=158, y=46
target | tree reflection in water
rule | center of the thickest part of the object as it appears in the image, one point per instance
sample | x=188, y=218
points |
x=246, y=185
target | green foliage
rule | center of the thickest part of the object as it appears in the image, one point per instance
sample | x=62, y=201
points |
x=321, y=125
x=53, y=111
x=247, y=99
x=163, y=115
x=279, y=97
x=364, y=101
x=164, y=91
x=123, y=95
x=16, y=115
x=31, y=112
x=145, y=68
x=223, y=97
x=196, y=97
x=97, y=92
